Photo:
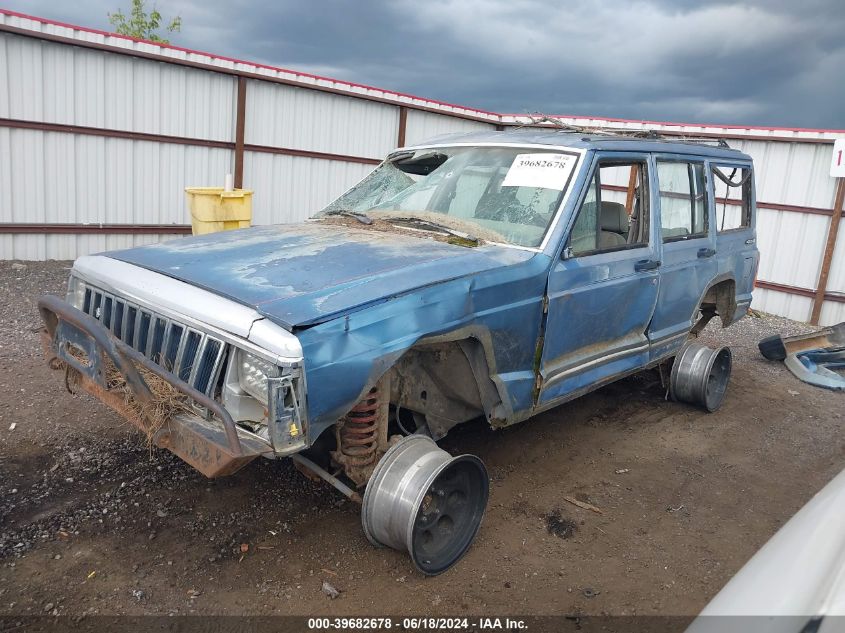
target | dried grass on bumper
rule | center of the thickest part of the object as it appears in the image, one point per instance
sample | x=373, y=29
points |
x=167, y=401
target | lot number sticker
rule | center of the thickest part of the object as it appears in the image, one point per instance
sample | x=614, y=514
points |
x=837, y=165
x=547, y=171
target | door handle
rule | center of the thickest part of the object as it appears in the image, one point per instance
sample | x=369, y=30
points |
x=646, y=264
x=706, y=252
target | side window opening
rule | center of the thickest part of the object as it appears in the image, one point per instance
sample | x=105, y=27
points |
x=614, y=214
x=683, y=200
x=732, y=190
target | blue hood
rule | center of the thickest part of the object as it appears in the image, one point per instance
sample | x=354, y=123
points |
x=301, y=274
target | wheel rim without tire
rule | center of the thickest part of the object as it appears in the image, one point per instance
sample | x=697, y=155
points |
x=422, y=500
x=700, y=375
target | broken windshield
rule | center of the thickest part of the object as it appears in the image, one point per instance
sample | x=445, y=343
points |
x=499, y=194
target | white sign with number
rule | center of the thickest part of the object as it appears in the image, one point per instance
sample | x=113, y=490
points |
x=837, y=163
x=545, y=171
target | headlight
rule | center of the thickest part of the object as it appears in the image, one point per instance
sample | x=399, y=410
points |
x=285, y=424
x=280, y=394
x=75, y=292
x=253, y=373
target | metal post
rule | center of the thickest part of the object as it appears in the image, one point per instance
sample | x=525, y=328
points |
x=240, y=126
x=830, y=246
x=632, y=184
x=403, y=126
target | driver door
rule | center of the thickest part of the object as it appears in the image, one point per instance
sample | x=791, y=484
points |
x=602, y=291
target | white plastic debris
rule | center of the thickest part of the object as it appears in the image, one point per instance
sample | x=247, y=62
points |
x=330, y=591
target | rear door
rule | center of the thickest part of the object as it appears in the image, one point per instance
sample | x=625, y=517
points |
x=688, y=248
x=737, y=256
x=602, y=291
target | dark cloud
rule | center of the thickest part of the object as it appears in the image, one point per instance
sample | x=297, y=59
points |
x=764, y=62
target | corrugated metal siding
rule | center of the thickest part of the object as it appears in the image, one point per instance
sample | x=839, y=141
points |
x=166, y=52
x=284, y=116
x=784, y=304
x=43, y=247
x=422, y=126
x=5, y=85
x=55, y=83
x=836, y=281
x=832, y=313
x=791, y=246
x=76, y=179
x=791, y=173
x=56, y=177
x=292, y=188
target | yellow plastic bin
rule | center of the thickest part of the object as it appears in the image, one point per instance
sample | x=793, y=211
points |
x=214, y=209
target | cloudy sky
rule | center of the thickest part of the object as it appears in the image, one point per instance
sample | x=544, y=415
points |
x=756, y=62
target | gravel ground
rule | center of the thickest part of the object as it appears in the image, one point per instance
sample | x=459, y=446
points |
x=92, y=521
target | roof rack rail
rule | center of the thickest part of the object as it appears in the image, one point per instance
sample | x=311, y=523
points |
x=542, y=120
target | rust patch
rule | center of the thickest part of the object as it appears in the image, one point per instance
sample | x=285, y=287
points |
x=202, y=445
x=95, y=361
x=362, y=434
x=187, y=436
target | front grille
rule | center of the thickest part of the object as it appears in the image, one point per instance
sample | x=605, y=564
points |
x=189, y=354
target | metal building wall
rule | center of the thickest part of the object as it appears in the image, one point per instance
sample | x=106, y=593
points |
x=426, y=125
x=791, y=242
x=100, y=134
x=290, y=188
x=834, y=312
x=106, y=132
x=74, y=86
x=284, y=116
x=56, y=177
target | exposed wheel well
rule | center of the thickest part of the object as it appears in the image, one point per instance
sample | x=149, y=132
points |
x=439, y=382
x=720, y=299
x=447, y=381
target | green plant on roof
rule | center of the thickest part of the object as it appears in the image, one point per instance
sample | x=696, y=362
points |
x=142, y=25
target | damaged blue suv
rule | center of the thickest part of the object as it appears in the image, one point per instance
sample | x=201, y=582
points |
x=493, y=275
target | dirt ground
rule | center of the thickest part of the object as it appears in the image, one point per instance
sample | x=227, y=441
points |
x=92, y=522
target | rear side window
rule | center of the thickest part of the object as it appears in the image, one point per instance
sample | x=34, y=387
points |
x=683, y=200
x=732, y=188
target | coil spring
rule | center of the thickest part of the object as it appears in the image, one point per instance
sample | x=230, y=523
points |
x=359, y=433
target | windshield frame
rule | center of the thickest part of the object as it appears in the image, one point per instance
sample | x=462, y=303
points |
x=573, y=179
